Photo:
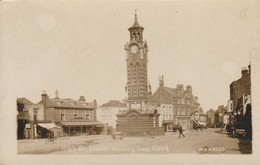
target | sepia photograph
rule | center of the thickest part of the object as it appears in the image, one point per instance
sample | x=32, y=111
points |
x=145, y=80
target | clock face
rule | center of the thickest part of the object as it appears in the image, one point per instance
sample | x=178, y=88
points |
x=134, y=49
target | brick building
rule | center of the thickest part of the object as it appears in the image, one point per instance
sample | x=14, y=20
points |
x=65, y=117
x=240, y=88
x=239, y=105
x=175, y=105
x=75, y=117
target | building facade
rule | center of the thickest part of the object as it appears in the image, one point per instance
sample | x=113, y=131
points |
x=65, y=117
x=75, y=117
x=179, y=103
x=107, y=114
x=24, y=123
x=239, y=89
x=31, y=121
x=220, y=116
x=210, y=118
x=239, y=105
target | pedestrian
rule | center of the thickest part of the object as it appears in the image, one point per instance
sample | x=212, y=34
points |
x=180, y=131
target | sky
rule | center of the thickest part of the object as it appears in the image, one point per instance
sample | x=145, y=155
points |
x=78, y=48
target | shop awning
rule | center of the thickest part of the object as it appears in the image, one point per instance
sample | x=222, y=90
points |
x=48, y=125
x=82, y=123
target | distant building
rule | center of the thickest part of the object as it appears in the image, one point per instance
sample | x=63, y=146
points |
x=210, y=118
x=220, y=116
x=107, y=112
x=175, y=104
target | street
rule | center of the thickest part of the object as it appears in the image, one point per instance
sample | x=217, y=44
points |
x=207, y=141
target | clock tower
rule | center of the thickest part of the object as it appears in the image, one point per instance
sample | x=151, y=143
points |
x=141, y=116
x=136, y=58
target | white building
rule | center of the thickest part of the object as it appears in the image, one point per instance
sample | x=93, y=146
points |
x=107, y=112
x=166, y=114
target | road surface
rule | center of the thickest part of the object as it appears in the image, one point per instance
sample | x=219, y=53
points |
x=208, y=141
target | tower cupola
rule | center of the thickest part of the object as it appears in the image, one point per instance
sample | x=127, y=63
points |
x=136, y=31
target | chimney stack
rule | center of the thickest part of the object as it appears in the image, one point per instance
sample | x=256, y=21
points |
x=44, y=95
x=44, y=98
x=161, y=81
x=82, y=98
x=244, y=71
x=189, y=89
x=95, y=110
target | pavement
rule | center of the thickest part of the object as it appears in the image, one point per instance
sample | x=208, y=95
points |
x=207, y=141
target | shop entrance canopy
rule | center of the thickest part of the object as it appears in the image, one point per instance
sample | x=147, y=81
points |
x=48, y=125
x=81, y=123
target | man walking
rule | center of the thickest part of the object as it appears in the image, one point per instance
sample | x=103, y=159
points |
x=180, y=131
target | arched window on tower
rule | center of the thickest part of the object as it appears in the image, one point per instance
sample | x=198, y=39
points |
x=138, y=36
x=134, y=35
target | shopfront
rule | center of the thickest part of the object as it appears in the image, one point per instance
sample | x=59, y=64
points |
x=82, y=128
x=43, y=129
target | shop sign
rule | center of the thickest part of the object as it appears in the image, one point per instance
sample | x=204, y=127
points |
x=27, y=126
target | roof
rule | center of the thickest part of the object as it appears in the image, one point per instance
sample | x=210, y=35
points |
x=172, y=91
x=164, y=95
x=136, y=24
x=80, y=123
x=24, y=101
x=113, y=103
x=66, y=103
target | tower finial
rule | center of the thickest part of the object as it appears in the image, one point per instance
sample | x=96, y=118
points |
x=135, y=13
x=57, y=94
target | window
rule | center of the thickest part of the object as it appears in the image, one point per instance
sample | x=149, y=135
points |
x=34, y=114
x=62, y=117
